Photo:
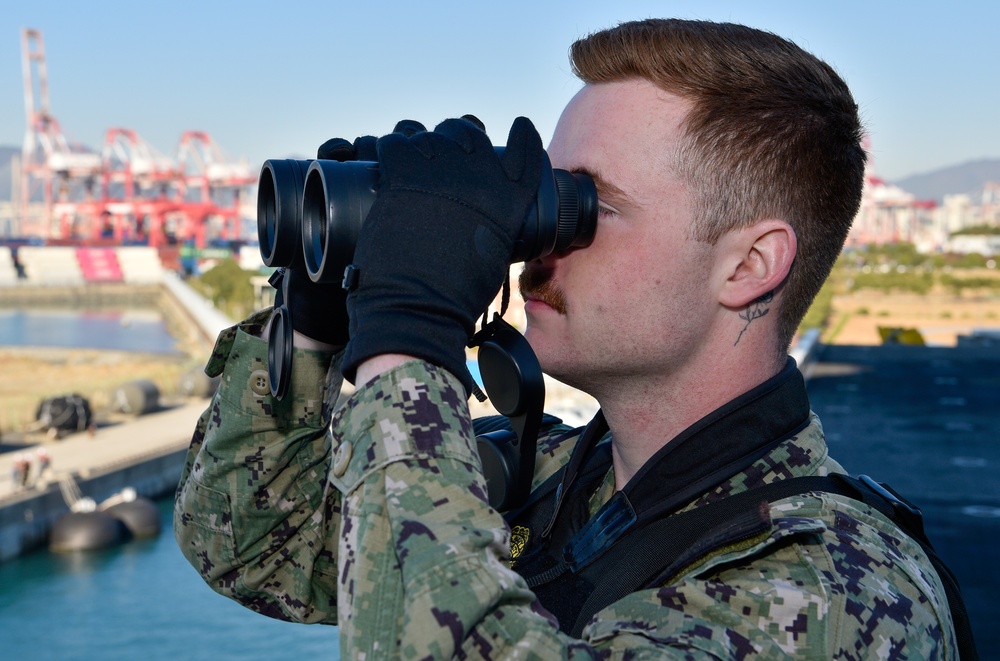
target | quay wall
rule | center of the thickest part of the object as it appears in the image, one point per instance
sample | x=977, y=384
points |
x=192, y=311
x=74, y=296
x=25, y=521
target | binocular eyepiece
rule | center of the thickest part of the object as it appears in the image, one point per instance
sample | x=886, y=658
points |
x=310, y=212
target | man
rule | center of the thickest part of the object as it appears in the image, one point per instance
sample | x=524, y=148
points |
x=728, y=166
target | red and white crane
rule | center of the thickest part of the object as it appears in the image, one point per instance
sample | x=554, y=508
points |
x=129, y=192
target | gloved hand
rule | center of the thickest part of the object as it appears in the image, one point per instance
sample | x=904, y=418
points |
x=363, y=148
x=436, y=245
x=319, y=310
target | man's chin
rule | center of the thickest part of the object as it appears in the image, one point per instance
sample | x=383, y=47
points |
x=535, y=338
x=541, y=345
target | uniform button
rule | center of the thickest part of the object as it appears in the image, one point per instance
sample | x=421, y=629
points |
x=259, y=384
x=342, y=458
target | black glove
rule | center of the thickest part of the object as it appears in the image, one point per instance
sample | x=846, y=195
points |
x=319, y=310
x=338, y=149
x=363, y=148
x=436, y=245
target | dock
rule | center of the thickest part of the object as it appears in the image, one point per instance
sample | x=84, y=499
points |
x=145, y=453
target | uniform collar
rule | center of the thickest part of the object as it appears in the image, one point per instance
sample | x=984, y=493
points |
x=723, y=443
x=706, y=454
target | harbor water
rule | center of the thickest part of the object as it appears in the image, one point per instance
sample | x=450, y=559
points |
x=136, y=601
x=119, y=330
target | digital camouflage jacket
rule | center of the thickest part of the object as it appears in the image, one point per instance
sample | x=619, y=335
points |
x=374, y=516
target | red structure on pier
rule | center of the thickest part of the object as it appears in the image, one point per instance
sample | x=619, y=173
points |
x=127, y=193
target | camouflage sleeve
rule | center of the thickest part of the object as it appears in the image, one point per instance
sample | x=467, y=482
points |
x=421, y=552
x=424, y=562
x=254, y=511
x=424, y=559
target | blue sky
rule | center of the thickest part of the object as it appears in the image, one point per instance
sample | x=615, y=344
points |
x=274, y=79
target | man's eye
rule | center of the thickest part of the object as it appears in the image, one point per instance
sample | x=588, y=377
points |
x=603, y=211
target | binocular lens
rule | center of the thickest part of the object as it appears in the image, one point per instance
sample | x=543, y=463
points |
x=311, y=212
x=335, y=202
x=279, y=203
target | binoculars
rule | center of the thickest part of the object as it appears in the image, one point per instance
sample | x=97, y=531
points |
x=310, y=212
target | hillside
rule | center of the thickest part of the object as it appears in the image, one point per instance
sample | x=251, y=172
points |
x=966, y=178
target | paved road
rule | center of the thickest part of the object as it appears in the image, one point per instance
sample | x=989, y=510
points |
x=926, y=421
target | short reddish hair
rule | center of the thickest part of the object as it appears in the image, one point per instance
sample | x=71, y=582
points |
x=773, y=133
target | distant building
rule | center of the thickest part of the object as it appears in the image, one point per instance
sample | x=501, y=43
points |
x=984, y=244
x=889, y=214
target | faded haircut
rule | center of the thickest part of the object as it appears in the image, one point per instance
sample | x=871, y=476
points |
x=773, y=133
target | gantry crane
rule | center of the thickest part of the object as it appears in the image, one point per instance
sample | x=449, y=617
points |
x=129, y=192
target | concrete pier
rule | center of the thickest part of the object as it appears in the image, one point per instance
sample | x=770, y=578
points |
x=146, y=454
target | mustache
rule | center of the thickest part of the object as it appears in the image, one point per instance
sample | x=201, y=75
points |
x=535, y=282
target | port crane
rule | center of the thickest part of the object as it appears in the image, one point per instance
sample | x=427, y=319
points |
x=128, y=192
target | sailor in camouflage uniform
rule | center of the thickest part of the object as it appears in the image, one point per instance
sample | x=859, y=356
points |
x=729, y=168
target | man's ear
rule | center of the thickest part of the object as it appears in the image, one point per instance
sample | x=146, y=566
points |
x=757, y=260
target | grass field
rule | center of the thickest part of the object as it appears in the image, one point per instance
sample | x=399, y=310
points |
x=940, y=318
x=31, y=375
